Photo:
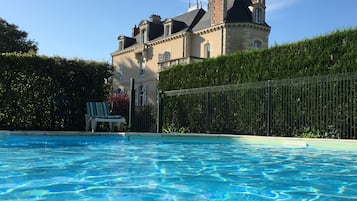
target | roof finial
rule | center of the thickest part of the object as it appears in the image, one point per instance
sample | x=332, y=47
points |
x=189, y=3
x=197, y=3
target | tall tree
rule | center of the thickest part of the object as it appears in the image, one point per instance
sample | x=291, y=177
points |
x=14, y=40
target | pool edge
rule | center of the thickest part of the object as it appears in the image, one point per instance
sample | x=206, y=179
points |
x=289, y=142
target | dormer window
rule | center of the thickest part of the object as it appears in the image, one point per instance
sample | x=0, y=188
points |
x=144, y=36
x=125, y=42
x=257, y=15
x=167, y=29
x=121, y=45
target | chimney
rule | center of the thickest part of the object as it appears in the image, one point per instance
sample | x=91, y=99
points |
x=135, y=31
x=155, y=19
x=194, y=7
x=219, y=9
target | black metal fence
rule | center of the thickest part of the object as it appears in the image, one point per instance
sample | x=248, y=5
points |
x=142, y=109
x=145, y=115
x=323, y=106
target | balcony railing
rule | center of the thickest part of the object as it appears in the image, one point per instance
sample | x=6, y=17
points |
x=185, y=60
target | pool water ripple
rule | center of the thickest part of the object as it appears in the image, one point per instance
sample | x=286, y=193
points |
x=98, y=168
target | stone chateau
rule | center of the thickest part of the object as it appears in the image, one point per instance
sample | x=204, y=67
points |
x=156, y=44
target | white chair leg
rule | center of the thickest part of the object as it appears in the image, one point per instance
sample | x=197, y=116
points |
x=111, y=126
x=94, y=125
x=119, y=124
x=87, y=119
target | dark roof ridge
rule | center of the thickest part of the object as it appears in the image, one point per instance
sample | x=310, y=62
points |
x=190, y=18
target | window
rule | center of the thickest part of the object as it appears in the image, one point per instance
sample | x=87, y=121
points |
x=121, y=45
x=257, y=15
x=257, y=44
x=119, y=70
x=208, y=50
x=142, y=67
x=141, y=95
x=144, y=36
x=166, y=56
x=167, y=30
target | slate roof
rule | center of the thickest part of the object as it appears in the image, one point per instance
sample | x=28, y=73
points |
x=237, y=12
x=205, y=21
x=178, y=26
x=198, y=19
x=190, y=18
x=156, y=30
x=129, y=42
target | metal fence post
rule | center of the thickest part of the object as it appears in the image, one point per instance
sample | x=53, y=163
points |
x=269, y=107
x=159, y=119
x=132, y=105
x=209, y=111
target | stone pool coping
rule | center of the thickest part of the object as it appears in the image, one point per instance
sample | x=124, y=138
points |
x=289, y=142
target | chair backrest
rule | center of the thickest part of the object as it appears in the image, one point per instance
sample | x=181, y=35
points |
x=97, y=109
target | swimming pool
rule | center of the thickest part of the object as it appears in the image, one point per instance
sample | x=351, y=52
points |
x=132, y=167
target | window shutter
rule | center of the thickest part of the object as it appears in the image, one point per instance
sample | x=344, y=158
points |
x=121, y=69
x=161, y=57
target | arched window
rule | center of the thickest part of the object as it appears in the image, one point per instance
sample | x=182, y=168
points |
x=257, y=44
x=208, y=50
x=167, y=56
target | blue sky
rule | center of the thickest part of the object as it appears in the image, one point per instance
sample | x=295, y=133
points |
x=88, y=29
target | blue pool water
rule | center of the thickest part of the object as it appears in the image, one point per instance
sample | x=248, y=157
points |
x=115, y=168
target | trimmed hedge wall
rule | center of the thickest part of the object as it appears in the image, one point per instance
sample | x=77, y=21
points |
x=334, y=53
x=29, y=82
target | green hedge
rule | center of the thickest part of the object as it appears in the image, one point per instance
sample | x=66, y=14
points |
x=28, y=82
x=321, y=108
x=334, y=53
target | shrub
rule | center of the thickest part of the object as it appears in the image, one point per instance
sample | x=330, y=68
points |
x=120, y=105
x=28, y=83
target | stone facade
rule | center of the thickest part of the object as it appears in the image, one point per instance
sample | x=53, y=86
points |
x=155, y=45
